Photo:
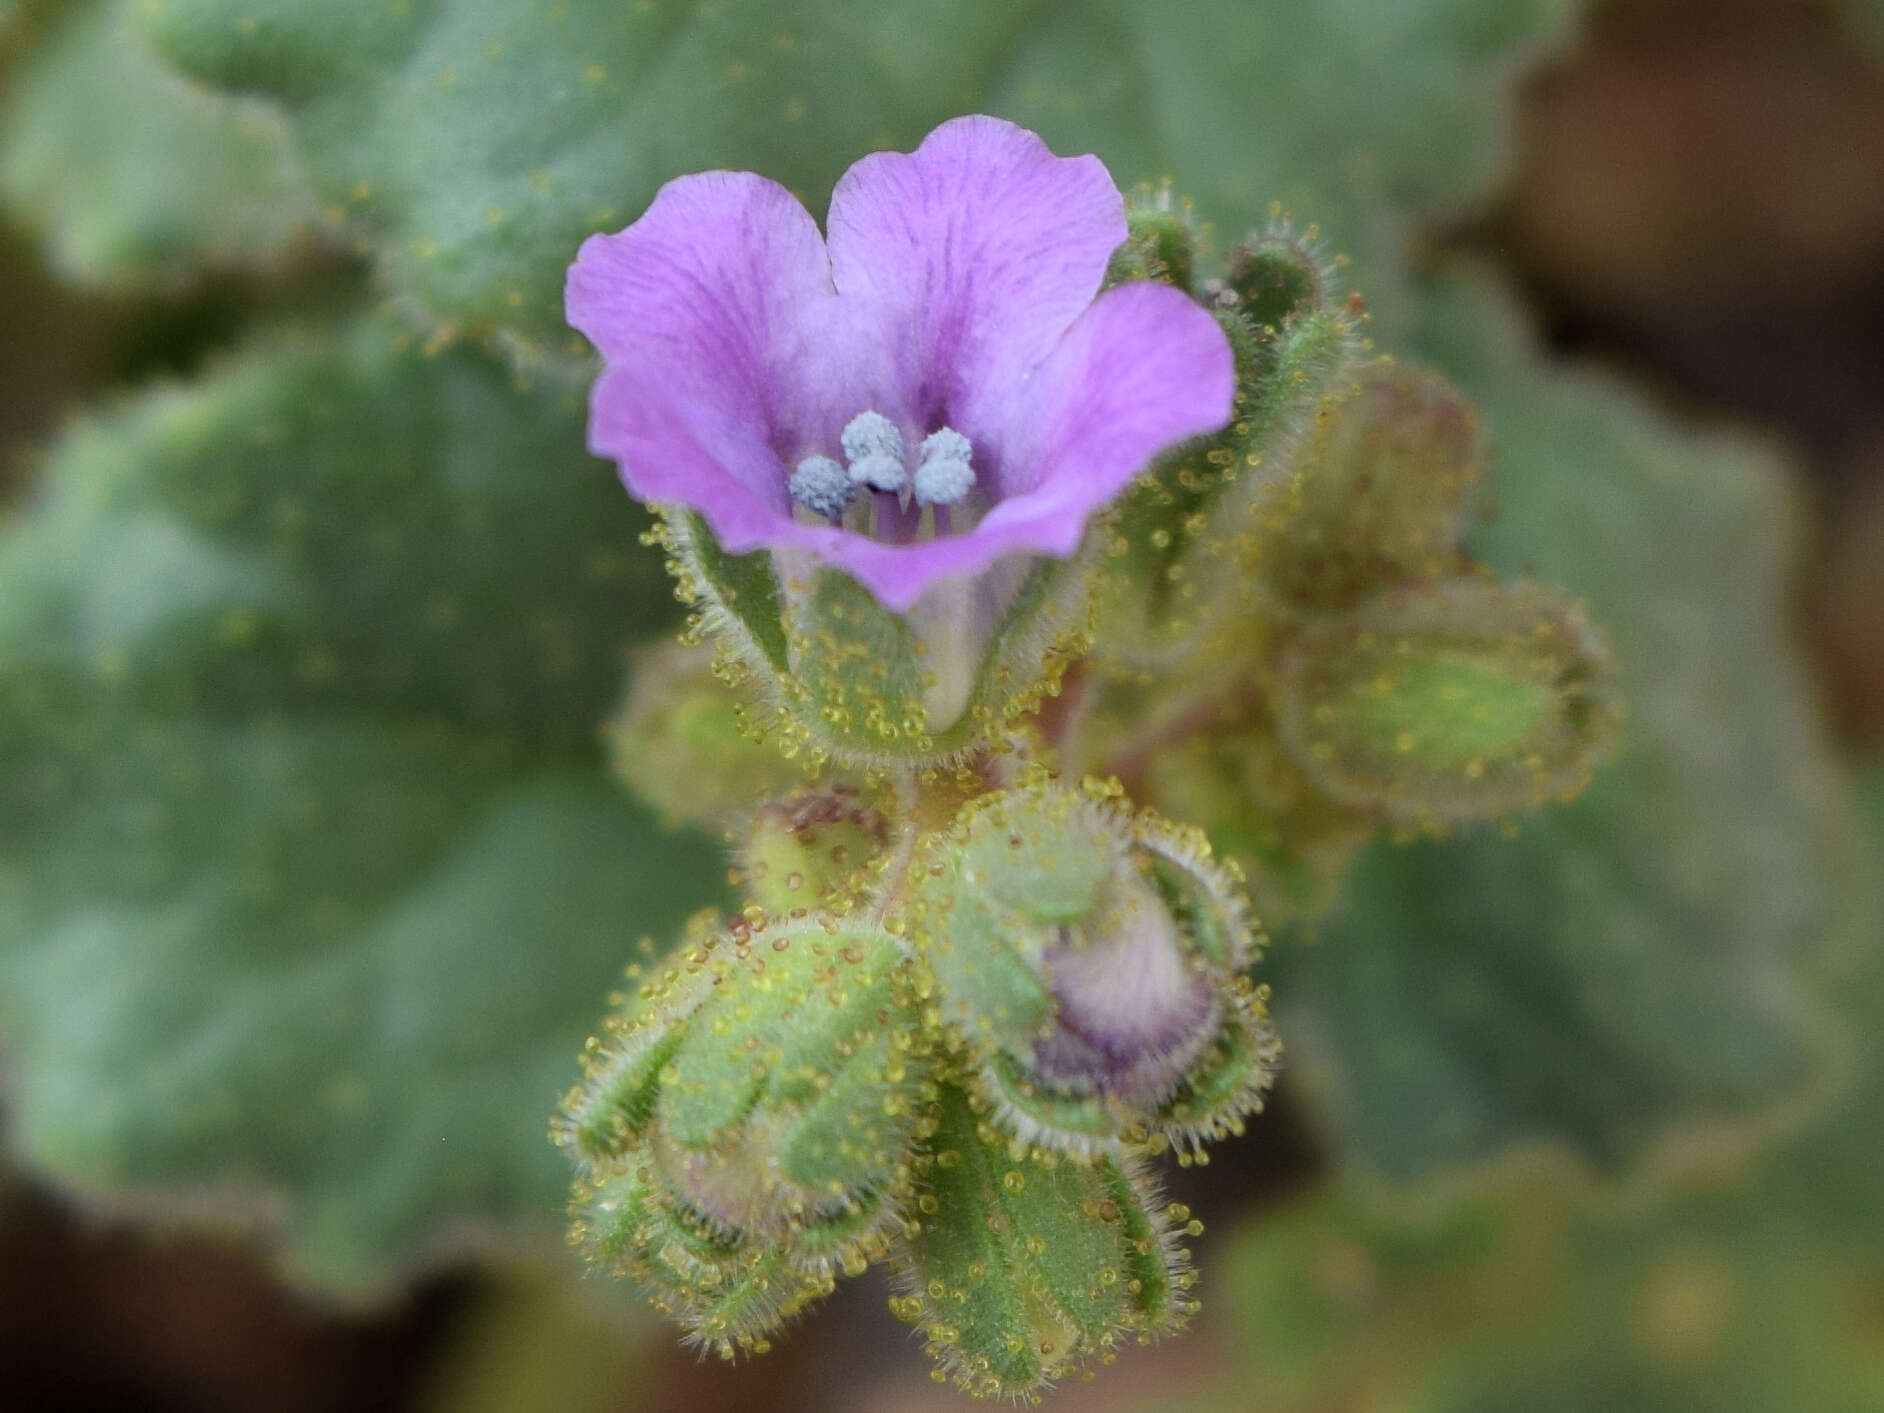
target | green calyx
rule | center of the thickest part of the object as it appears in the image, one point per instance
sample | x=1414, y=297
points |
x=1020, y=872
x=841, y=678
x=1020, y=1270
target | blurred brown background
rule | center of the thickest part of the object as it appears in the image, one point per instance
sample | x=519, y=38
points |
x=1697, y=198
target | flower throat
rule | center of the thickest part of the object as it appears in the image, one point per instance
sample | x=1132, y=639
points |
x=878, y=493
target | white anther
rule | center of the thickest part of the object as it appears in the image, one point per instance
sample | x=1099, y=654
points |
x=943, y=475
x=880, y=473
x=942, y=482
x=945, y=444
x=821, y=485
x=871, y=434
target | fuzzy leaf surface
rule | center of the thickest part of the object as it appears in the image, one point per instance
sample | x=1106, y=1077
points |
x=129, y=174
x=311, y=877
x=1748, y=1285
x=476, y=142
x=1623, y=967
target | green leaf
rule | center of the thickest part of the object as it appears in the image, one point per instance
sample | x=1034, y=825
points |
x=311, y=877
x=477, y=142
x=1620, y=970
x=1351, y=115
x=1749, y=1286
x=129, y=174
x=1869, y=16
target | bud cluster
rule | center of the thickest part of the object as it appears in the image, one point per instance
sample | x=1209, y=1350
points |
x=965, y=1005
x=954, y=1051
x=1294, y=647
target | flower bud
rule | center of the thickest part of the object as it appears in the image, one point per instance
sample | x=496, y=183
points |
x=1279, y=274
x=730, y=1295
x=1089, y=961
x=1380, y=495
x=682, y=741
x=1017, y=1270
x=1160, y=242
x=765, y=1087
x=1455, y=701
x=1175, y=558
x=811, y=850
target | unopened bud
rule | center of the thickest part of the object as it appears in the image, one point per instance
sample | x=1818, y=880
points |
x=766, y=1086
x=728, y=1294
x=811, y=850
x=1278, y=274
x=682, y=741
x=1086, y=956
x=1160, y=241
x=1380, y=495
x=1457, y=701
x=1175, y=562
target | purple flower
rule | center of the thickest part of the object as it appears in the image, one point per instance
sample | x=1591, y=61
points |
x=932, y=389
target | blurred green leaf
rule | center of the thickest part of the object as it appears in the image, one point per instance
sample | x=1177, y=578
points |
x=311, y=877
x=1621, y=968
x=477, y=142
x=127, y=173
x=1870, y=14
x=1755, y=1285
x=1355, y=116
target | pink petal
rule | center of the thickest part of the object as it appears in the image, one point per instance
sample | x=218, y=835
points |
x=961, y=264
x=715, y=313
x=1142, y=369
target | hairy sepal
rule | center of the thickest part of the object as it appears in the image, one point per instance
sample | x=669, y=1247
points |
x=842, y=678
